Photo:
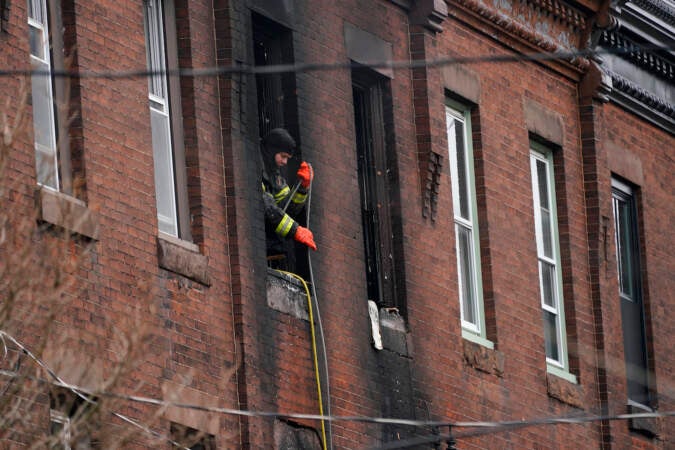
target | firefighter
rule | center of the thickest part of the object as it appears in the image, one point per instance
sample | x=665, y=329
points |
x=276, y=149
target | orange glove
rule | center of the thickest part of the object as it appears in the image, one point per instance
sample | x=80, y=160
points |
x=305, y=174
x=304, y=236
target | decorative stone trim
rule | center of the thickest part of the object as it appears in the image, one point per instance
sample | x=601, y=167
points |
x=565, y=14
x=543, y=122
x=629, y=88
x=506, y=23
x=198, y=419
x=659, y=8
x=66, y=212
x=183, y=258
x=429, y=13
x=432, y=182
x=628, y=50
x=565, y=391
x=484, y=359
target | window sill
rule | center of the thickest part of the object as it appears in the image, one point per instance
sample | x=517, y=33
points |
x=482, y=357
x=183, y=258
x=565, y=389
x=286, y=294
x=393, y=332
x=67, y=212
x=473, y=337
x=647, y=426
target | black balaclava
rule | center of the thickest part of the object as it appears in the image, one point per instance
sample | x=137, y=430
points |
x=277, y=140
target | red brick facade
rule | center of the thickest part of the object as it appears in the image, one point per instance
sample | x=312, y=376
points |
x=218, y=336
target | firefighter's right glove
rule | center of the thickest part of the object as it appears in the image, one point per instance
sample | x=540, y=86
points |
x=305, y=174
x=304, y=236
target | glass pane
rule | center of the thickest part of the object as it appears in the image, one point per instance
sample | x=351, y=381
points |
x=164, y=181
x=44, y=128
x=551, y=336
x=43, y=109
x=548, y=289
x=36, y=38
x=625, y=249
x=462, y=176
x=546, y=233
x=465, y=269
x=45, y=164
x=155, y=47
x=35, y=10
x=542, y=179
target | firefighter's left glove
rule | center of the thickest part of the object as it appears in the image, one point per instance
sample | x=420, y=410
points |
x=305, y=174
x=304, y=236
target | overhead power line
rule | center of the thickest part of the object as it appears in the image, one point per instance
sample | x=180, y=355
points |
x=247, y=69
x=474, y=428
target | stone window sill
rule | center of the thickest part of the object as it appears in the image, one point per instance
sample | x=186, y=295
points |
x=647, y=426
x=286, y=294
x=565, y=390
x=183, y=258
x=67, y=212
x=483, y=358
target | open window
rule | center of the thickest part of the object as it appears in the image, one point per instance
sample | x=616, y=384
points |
x=377, y=174
x=277, y=108
x=626, y=238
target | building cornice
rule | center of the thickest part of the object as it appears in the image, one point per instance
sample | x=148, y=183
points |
x=564, y=13
x=629, y=50
x=523, y=32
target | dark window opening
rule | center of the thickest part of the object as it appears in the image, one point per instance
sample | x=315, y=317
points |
x=191, y=438
x=277, y=108
x=277, y=105
x=70, y=423
x=377, y=176
x=630, y=291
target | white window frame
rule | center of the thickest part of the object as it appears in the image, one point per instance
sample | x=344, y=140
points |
x=158, y=96
x=467, y=222
x=555, y=305
x=38, y=19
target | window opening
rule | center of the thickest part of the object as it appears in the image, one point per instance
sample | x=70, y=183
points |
x=277, y=108
x=192, y=438
x=65, y=409
x=630, y=291
x=458, y=122
x=166, y=120
x=548, y=255
x=369, y=91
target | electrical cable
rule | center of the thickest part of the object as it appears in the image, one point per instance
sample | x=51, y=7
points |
x=80, y=392
x=487, y=427
x=248, y=69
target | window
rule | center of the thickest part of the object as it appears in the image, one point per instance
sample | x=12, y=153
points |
x=458, y=122
x=65, y=409
x=277, y=108
x=372, y=121
x=190, y=438
x=630, y=291
x=173, y=212
x=548, y=255
x=52, y=158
